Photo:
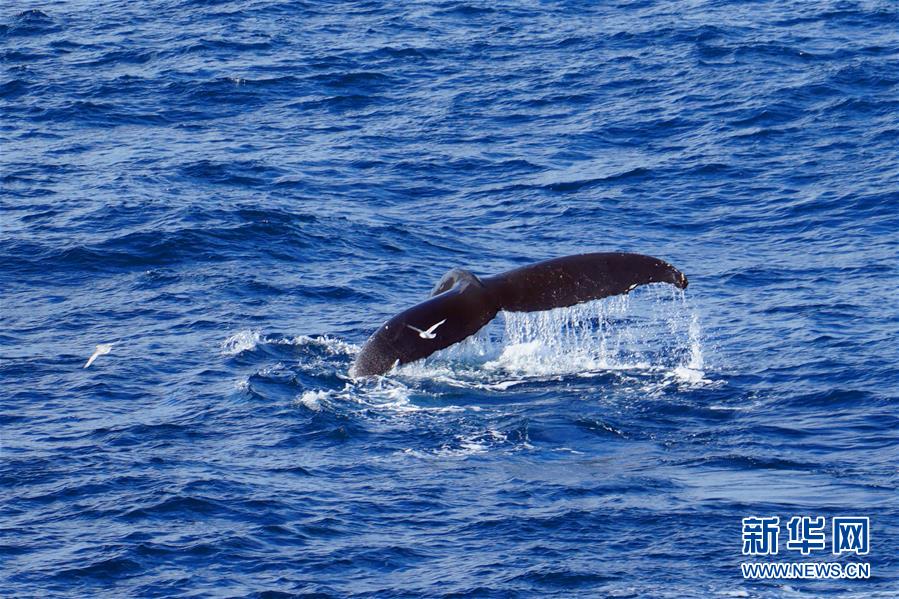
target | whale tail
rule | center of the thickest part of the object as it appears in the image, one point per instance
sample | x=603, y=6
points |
x=571, y=280
x=461, y=303
x=458, y=308
x=456, y=276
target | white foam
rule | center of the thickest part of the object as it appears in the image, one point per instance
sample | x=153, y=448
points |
x=312, y=400
x=240, y=342
x=380, y=395
x=689, y=375
x=249, y=339
x=331, y=345
x=469, y=444
x=503, y=385
x=480, y=442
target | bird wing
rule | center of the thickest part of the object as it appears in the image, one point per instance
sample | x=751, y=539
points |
x=102, y=350
x=434, y=328
x=92, y=358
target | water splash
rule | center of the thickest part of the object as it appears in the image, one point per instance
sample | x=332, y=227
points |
x=312, y=400
x=692, y=371
x=240, y=342
x=376, y=395
x=653, y=328
x=249, y=340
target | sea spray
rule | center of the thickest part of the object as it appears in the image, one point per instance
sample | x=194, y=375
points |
x=652, y=328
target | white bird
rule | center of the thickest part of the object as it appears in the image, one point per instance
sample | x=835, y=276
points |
x=102, y=350
x=429, y=334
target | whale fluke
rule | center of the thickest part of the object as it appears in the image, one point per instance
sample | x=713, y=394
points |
x=465, y=307
x=571, y=280
x=461, y=303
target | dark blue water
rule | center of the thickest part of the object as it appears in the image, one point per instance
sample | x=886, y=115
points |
x=236, y=194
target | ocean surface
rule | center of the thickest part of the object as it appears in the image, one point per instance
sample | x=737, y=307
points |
x=236, y=194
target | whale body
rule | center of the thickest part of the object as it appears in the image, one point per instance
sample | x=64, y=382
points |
x=462, y=303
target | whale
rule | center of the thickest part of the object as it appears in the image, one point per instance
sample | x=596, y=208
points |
x=461, y=303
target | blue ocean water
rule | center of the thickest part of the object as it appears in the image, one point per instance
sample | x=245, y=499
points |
x=236, y=194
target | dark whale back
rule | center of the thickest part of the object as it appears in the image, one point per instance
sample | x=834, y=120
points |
x=461, y=303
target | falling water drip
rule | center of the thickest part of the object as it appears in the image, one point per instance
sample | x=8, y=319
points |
x=652, y=328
